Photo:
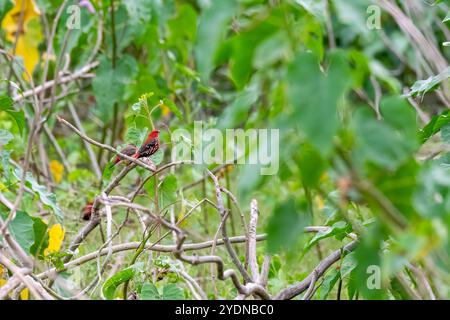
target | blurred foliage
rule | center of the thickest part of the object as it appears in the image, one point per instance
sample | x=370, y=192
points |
x=363, y=120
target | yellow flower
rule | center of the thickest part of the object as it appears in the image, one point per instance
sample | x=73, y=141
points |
x=30, y=31
x=55, y=239
x=24, y=294
x=57, y=170
x=319, y=202
x=165, y=110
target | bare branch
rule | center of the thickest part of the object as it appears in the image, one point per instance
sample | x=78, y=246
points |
x=253, y=263
x=222, y=212
x=296, y=289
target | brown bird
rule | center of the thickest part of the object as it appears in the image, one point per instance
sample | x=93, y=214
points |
x=129, y=150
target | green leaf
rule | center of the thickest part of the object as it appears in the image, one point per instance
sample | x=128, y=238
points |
x=135, y=136
x=6, y=104
x=172, y=292
x=285, y=226
x=5, y=156
x=149, y=292
x=109, y=84
x=139, y=11
x=432, y=197
x=348, y=265
x=445, y=134
x=110, y=286
x=238, y=111
x=389, y=142
x=107, y=172
x=169, y=292
x=434, y=126
x=21, y=229
x=447, y=17
x=421, y=87
x=353, y=14
x=244, y=45
x=271, y=50
x=340, y=228
x=368, y=255
x=330, y=279
x=315, y=96
x=167, y=189
x=5, y=137
x=314, y=7
x=311, y=164
x=40, y=236
x=47, y=198
x=172, y=106
x=5, y=6
x=212, y=26
x=157, y=157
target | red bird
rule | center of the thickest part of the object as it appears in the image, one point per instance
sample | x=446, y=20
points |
x=129, y=150
x=149, y=147
x=86, y=212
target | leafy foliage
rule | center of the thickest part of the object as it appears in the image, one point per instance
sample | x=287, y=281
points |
x=360, y=103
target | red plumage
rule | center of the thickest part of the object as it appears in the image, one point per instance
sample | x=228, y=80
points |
x=87, y=210
x=149, y=147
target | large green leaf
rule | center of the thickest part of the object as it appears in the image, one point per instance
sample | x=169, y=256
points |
x=330, y=279
x=285, y=226
x=399, y=186
x=244, y=45
x=157, y=157
x=139, y=11
x=237, y=112
x=315, y=96
x=167, y=189
x=368, y=258
x=388, y=142
x=135, y=136
x=150, y=292
x=432, y=197
x=212, y=27
x=169, y=292
x=311, y=164
x=21, y=229
x=46, y=197
x=172, y=292
x=109, y=84
x=353, y=14
x=273, y=49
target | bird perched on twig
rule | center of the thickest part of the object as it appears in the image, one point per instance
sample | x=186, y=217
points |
x=129, y=150
x=149, y=147
x=87, y=210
